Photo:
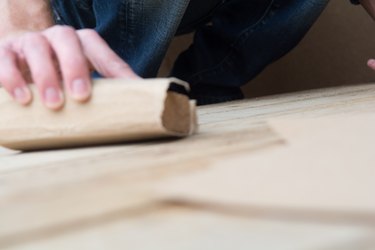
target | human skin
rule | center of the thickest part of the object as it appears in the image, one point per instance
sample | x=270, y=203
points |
x=33, y=50
x=369, y=6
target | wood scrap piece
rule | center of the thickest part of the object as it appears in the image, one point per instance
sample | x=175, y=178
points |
x=327, y=171
x=119, y=111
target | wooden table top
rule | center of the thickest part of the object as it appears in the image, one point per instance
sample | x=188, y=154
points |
x=157, y=195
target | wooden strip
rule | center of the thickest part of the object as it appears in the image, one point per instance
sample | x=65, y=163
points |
x=118, y=111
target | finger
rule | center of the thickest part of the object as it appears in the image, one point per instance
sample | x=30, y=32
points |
x=73, y=63
x=102, y=57
x=39, y=58
x=11, y=78
x=371, y=64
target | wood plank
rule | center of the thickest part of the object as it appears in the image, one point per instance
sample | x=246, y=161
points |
x=60, y=189
x=115, y=113
x=188, y=228
x=326, y=166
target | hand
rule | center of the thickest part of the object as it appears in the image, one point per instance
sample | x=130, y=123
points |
x=371, y=63
x=55, y=55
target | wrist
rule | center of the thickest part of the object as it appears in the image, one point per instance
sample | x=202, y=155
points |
x=24, y=15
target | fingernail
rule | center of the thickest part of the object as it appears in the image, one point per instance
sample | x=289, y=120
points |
x=80, y=89
x=53, y=97
x=22, y=95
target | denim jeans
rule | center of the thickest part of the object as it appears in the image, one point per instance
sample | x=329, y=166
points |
x=234, y=39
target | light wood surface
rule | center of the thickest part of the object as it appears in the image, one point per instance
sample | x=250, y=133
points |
x=147, y=195
x=118, y=111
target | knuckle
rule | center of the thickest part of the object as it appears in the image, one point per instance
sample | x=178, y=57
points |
x=111, y=68
x=33, y=39
x=71, y=63
x=88, y=33
x=120, y=66
x=46, y=79
x=62, y=30
x=73, y=68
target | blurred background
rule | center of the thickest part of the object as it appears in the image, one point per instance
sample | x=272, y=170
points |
x=334, y=52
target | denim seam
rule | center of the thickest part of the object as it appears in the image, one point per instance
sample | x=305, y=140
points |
x=130, y=21
x=128, y=25
x=122, y=24
x=241, y=38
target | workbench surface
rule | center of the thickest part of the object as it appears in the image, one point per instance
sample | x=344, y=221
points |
x=240, y=183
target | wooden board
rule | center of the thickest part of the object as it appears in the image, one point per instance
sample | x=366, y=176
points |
x=91, y=197
x=326, y=166
x=118, y=111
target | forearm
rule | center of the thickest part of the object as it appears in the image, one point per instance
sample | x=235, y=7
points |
x=369, y=5
x=24, y=15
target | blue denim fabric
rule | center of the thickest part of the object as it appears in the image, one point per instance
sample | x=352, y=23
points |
x=138, y=30
x=243, y=38
x=234, y=40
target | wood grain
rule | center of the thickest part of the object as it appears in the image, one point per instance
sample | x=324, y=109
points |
x=118, y=111
x=94, y=197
